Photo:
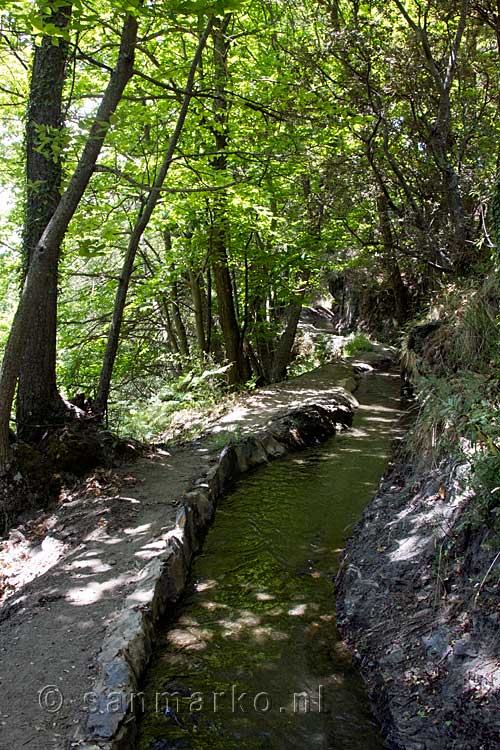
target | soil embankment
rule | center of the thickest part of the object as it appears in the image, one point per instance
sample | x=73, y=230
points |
x=416, y=605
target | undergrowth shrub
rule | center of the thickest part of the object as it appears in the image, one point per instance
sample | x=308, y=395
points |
x=358, y=343
x=458, y=396
x=311, y=352
x=187, y=398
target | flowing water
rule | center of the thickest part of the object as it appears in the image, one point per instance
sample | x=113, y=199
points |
x=252, y=660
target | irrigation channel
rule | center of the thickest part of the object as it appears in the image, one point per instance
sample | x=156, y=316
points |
x=252, y=660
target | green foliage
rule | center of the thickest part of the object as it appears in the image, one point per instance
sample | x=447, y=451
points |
x=218, y=440
x=304, y=362
x=51, y=142
x=358, y=343
x=460, y=405
x=311, y=352
x=324, y=112
x=8, y=292
x=495, y=205
x=149, y=419
x=459, y=418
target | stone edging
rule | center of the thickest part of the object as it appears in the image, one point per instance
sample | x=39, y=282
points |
x=128, y=643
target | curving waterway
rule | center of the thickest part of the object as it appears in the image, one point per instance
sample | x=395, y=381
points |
x=252, y=660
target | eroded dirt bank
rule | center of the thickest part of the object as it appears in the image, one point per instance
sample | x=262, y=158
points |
x=89, y=579
x=416, y=604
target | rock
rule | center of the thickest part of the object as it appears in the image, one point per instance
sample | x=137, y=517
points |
x=319, y=317
x=250, y=453
x=350, y=384
x=169, y=744
x=464, y=648
x=228, y=466
x=201, y=505
x=427, y=658
x=437, y=644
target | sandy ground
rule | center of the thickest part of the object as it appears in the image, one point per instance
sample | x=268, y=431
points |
x=66, y=573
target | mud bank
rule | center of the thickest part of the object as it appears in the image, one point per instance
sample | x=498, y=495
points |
x=416, y=606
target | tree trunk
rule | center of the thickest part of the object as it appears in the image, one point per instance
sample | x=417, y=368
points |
x=47, y=249
x=439, y=132
x=399, y=290
x=439, y=139
x=162, y=315
x=170, y=329
x=238, y=371
x=283, y=351
x=178, y=322
x=264, y=348
x=44, y=123
x=38, y=400
x=103, y=391
x=197, y=298
x=208, y=344
x=285, y=345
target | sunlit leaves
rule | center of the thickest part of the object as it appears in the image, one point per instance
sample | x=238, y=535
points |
x=349, y=105
x=205, y=7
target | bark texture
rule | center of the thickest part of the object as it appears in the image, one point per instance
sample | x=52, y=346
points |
x=197, y=299
x=38, y=401
x=399, y=290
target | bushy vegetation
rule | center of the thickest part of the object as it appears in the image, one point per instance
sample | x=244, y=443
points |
x=252, y=155
x=458, y=393
x=313, y=351
x=357, y=343
x=179, y=409
x=182, y=407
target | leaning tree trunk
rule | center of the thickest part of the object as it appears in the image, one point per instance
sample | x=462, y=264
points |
x=179, y=326
x=225, y=304
x=208, y=312
x=264, y=347
x=172, y=338
x=283, y=351
x=47, y=249
x=495, y=207
x=38, y=400
x=104, y=388
x=178, y=322
x=440, y=136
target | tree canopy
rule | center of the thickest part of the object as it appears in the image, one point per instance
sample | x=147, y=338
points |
x=208, y=168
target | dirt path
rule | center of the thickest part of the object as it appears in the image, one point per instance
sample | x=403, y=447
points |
x=71, y=569
x=53, y=625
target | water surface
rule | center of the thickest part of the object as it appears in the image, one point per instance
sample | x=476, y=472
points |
x=252, y=660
